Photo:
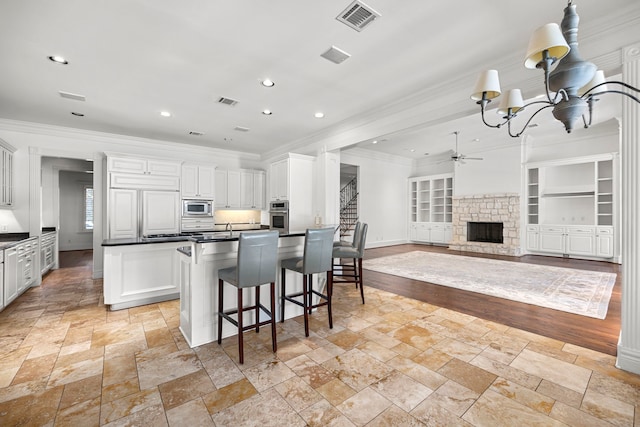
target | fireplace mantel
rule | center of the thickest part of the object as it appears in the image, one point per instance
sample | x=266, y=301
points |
x=503, y=208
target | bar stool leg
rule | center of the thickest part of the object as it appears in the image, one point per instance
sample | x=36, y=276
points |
x=329, y=295
x=360, y=279
x=305, y=304
x=274, y=343
x=310, y=293
x=220, y=297
x=283, y=276
x=240, y=340
x=257, y=309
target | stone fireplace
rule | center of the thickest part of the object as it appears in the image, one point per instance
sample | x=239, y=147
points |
x=487, y=208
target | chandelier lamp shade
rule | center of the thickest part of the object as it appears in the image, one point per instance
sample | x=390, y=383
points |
x=571, y=88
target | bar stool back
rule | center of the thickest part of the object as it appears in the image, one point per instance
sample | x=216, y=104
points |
x=318, y=249
x=256, y=265
x=345, y=273
x=354, y=240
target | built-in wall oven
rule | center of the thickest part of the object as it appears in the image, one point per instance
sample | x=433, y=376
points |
x=279, y=216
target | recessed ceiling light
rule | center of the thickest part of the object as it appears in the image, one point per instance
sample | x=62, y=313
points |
x=268, y=83
x=319, y=115
x=375, y=141
x=413, y=150
x=476, y=139
x=75, y=113
x=267, y=112
x=58, y=59
x=165, y=114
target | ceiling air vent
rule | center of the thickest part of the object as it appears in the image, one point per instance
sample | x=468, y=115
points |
x=195, y=133
x=227, y=101
x=73, y=96
x=358, y=15
x=335, y=55
x=241, y=129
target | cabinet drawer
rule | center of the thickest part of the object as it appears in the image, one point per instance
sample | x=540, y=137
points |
x=604, y=230
x=533, y=228
x=551, y=229
x=581, y=230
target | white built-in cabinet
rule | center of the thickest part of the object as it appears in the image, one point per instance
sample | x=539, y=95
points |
x=291, y=178
x=6, y=174
x=430, y=208
x=143, y=166
x=19, y=268
x=227, y=189
x=239, y=189
x=143, y=197
x=252, y=189
x=279, y=180
x=198, y=181
x=571, y=207
x=47, y=251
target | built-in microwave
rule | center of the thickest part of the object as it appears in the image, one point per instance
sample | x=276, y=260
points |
x=197, y=208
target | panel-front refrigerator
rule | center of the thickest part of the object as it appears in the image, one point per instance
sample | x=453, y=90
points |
x=138, y=213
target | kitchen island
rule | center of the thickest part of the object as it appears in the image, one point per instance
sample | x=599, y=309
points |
x=199, y=265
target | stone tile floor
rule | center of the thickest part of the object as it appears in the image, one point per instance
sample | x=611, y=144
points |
x=66, y=360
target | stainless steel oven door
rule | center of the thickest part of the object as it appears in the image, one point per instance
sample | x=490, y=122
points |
x=279, y=221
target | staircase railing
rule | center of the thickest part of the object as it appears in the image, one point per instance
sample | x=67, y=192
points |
x=348, y=206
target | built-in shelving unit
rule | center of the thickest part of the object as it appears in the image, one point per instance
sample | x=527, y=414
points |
x=431, y=208
x=571, y=206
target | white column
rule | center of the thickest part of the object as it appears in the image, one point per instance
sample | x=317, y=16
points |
x=629, y=343
x=328, y=186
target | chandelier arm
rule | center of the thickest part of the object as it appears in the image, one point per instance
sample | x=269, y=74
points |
x=528, y=121
x=482, y=104
x=628, y=86
x=616, y=91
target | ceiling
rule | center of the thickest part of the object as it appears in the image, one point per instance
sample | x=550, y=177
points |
x=133, y=59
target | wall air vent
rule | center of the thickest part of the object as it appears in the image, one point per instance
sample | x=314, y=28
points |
x=241, y=129
x=73, y=96
x=358, y=15
x=195, y=133
x=227, y=101
x=335, y=55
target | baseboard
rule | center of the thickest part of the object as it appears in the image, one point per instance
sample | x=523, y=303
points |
x=628, y=359
x=383, y=243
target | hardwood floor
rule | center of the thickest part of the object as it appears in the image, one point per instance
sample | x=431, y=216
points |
x=595, y=334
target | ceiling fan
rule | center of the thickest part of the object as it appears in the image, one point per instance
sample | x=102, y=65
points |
x=459, y=157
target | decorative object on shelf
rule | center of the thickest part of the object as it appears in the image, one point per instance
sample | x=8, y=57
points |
x=459, y=157
x=571, y=88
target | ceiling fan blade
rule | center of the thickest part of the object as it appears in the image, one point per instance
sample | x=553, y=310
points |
x=473, y=158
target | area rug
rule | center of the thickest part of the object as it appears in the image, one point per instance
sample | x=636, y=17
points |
x=575, y=291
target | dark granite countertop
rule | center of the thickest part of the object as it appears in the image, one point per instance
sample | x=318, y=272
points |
x=212, y=237
x=8, y=240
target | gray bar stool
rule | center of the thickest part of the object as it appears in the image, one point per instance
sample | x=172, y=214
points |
x=257, y=265
x=348, y=273
x=354, y=240
x=318, y=248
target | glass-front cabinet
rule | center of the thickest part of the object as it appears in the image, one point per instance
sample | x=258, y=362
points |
x=430, y=208
x=571, y=207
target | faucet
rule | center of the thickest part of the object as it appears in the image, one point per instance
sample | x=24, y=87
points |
x=229, y=228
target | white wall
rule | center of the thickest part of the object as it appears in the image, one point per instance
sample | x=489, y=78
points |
x=71, y=236
x=383, y=195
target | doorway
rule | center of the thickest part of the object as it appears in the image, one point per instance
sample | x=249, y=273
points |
x=349, y=198
x=67, y=205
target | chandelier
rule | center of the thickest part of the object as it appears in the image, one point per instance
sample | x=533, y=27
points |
x=571, y=88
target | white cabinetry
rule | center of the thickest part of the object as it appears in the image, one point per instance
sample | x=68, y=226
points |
x=227, y=189
x=571, y=207
x=252, y=189
x=47, y=251
x=279, y=180
x=6, y=174
x=143, y=166
x=292, y=179
x=2, y=304
x=198, y=181
x=143, y=197
x=430, y=208
x=19, y=268
x=10, y=275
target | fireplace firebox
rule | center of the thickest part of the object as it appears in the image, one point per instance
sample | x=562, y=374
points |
x=488, y=232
